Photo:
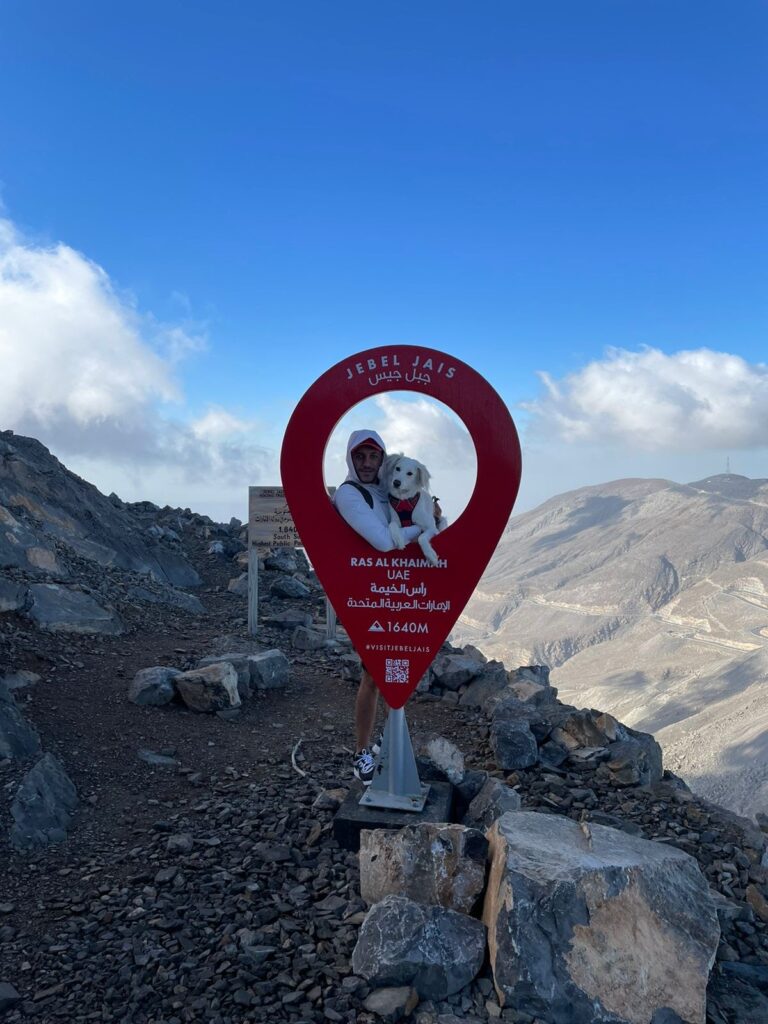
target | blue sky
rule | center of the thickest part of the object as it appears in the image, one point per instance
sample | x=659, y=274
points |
x=259, y=190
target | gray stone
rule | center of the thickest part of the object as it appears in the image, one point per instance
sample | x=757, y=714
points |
x=392, y=1004
x=652, y=769
x=289, y=619
x=513, y=744
x=182, y=842
x=269, y=670
x=735, y=999
x=153, y=686
x=587, y=924
x=43, y=805
x=474, y=652
x=18, y=739
x=454, y=670
x=239, y=585
x=23, y=547
x=63, y=610
x=240, y=663
x=288, y=587
x=304, y=639
x=209, y=689
x=169, y=596
x=329, y=799
x=441, y=754
x=484, y=686
x=590, y=728
x=531, y=684
x=155, y=759
x=13, y=596
x=493, y=800
x=351, y=667
x=8, y=996
x=282, y=562
x=20, y=680
x=627, y=764
x=439, y=864
x=435, y=950
x=470, y=785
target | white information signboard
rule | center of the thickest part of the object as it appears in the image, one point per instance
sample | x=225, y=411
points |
x=270, y=525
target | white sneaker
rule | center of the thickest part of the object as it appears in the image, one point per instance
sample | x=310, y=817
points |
x=363, y=765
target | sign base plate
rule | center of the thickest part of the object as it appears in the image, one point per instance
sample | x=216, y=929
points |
x=351, y=818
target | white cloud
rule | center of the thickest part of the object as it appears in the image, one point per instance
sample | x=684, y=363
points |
x=84, y=371
x=687, y=401
x=218, y=424
x=422, y=428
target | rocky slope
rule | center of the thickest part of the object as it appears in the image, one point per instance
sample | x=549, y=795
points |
x=200, y=878
x=650, y=600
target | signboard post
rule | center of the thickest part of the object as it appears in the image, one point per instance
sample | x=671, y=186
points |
x=396, y=607
x=270, y=525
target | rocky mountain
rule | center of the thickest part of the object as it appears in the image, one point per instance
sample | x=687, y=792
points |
x=648, y=599
x=170, y=847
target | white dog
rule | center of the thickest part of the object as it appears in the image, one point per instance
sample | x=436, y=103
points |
x=410, y=503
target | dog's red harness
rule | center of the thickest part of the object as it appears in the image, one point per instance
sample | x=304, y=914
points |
x=404, y=508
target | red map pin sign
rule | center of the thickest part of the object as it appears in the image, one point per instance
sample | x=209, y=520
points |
x=396, y=607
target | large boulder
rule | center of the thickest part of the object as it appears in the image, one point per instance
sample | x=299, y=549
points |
x=169, y=596
x=13, y=596
x=65, y=610
x=439, y=864
x=213, y=688
x=43, y=805
x=454, y=670
x=153, y=687
x=18, y=740
x=652, y=768
x=531, y=683
x=435, y=950
x=589, y=728
x=282, y=561
x=494, y=799
x=513, y=744
x=628, y=764
x=442, y=757
x=304, y=639
x=270, y=670
x=587, y=924
x=240, y=662
x=287, y=586
x=486, y=685
x=289, y=619
x=239, y=585
x=20, y=545
x=20, y=680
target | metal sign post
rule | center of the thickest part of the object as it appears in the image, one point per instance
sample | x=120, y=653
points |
x=396, y=783
x=397, y=607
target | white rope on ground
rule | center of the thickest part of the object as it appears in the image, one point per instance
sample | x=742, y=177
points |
x=293, y=758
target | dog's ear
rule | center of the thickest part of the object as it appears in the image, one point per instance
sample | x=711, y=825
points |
x=423, y=476
x=389, y=464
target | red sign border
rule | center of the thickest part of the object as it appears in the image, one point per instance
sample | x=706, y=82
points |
x=467, y=544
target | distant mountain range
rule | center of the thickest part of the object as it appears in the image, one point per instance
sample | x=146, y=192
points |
x=648, y=599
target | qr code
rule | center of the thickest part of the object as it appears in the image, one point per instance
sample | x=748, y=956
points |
x=396, y=670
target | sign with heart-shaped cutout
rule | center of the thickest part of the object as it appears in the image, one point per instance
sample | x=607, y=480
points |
x=397, y=607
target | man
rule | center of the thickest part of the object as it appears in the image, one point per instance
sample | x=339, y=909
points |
x=363, y=503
